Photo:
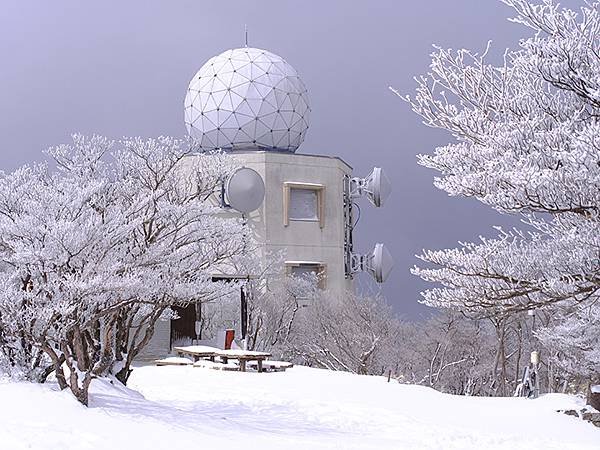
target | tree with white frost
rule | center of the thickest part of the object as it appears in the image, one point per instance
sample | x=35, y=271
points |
x=348, y=332
x=95, y=253
x=574, y=343
x=450, y=353
x=526, y=142
x=275, y=307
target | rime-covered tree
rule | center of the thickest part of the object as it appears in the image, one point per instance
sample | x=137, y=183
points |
x=450, y=353
x=95, y=253
x=275, y=308
x=526, y=142
x=349, y=332
x=573, y=344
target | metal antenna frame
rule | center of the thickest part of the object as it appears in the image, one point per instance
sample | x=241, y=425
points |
x=224, y=203
x=354, y=187
x=348, y=228
x=359, y=187
x=353, y=262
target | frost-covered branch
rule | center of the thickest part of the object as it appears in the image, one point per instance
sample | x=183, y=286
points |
x=93, y=255
x=526, y=141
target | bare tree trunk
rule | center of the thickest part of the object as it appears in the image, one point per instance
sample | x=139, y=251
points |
x=502, y=344
x=107, y=355
x=500, y=360
x=80, y=391
x=57, y=362
x=80, y=349
x=593, y=398
x=519, y=354
x=134, y=347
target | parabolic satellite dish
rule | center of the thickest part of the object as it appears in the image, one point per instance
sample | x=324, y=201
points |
x=244, y=190
x=380, y=263
x=378, y=187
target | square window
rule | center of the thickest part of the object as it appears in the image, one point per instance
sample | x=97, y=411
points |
x=305, y=270
x=303, y=202
x=315, y=270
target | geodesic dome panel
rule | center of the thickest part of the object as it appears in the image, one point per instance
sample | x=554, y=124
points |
x=247, y=98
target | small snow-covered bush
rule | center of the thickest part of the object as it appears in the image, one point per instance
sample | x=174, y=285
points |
x=351, y=332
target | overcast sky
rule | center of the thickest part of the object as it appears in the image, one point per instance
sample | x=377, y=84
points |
x=121, y=68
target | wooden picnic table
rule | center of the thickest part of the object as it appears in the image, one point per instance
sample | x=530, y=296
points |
x=243, y=356
x=197, y=351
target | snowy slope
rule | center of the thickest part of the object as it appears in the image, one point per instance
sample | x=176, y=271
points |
x=299, y=409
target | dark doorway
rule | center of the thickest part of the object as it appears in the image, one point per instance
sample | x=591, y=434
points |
x=183, y=329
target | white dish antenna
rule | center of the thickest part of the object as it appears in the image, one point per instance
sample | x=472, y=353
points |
x=376, y=187
x=379, y=263
x=244, y=190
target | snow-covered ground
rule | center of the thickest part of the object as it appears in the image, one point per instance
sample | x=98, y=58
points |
x=303, y=408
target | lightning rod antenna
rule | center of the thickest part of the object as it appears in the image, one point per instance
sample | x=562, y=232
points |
x=246, y=33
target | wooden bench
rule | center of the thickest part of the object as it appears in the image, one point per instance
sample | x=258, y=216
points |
x=173, y=361
x=205, y=364
x=273, y=366
x=243, y=356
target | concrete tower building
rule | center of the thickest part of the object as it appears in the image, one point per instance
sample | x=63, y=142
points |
x=252, y=104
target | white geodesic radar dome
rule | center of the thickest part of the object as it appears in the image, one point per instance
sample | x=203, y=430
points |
x=247, y=99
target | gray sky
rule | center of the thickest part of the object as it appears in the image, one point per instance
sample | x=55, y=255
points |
x=121, y=68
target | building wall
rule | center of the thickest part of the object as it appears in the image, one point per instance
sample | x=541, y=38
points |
x=300, y=240
x=159, y=344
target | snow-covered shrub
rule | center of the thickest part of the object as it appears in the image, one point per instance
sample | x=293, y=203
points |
x=350, y=332
x=460, y=355
x=275, y=309
x=573, y=343
x=527, y=142
x=448, y=352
